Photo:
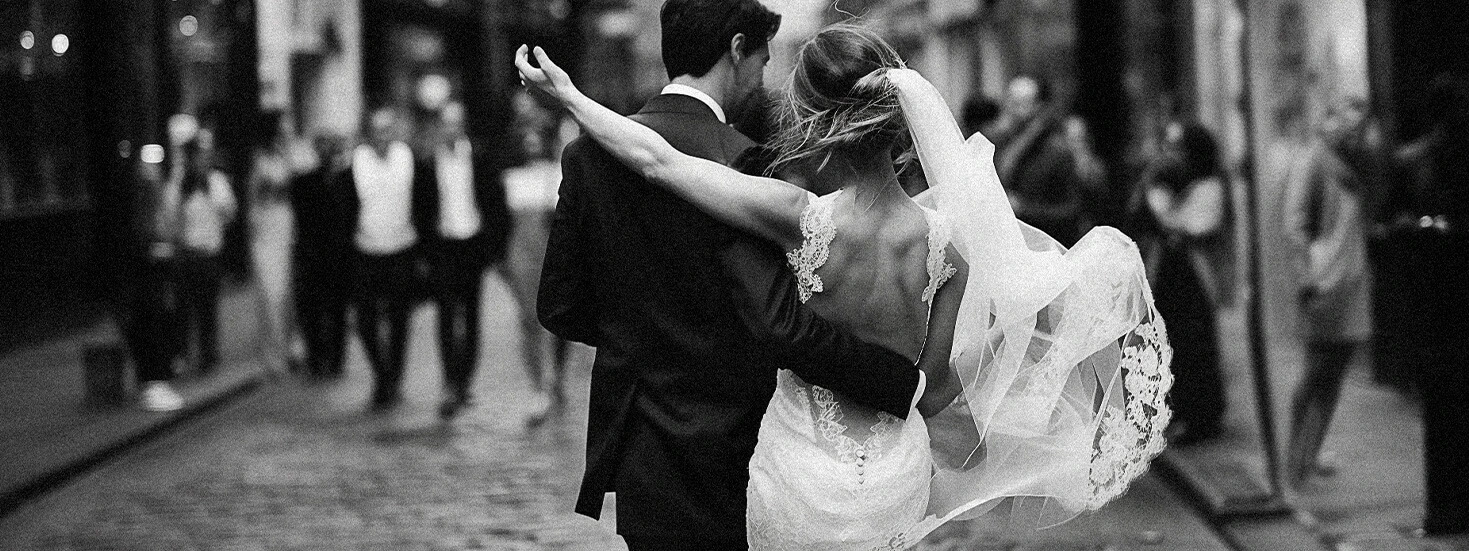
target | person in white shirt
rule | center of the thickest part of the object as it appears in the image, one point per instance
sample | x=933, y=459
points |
x=464, y=226
x=382, y=177
x=206, y=206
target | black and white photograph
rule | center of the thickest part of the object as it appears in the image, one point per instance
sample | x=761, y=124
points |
x=769, y=275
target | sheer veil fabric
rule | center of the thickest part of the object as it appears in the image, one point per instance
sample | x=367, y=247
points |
x=1063, y=358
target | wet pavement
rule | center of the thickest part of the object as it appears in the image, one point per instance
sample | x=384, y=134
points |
x=305, y=466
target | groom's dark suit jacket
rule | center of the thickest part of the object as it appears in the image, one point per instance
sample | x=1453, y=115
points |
x=691, y=318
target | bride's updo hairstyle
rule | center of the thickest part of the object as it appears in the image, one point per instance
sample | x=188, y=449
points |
x=839, y=98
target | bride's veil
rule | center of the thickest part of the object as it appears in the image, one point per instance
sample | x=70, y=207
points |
x=1063, y=358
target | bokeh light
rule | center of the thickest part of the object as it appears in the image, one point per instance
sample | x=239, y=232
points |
x=189, y=25
x=151, y=153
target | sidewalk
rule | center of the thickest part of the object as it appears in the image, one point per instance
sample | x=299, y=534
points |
x=1373, y=501
x=52, y=434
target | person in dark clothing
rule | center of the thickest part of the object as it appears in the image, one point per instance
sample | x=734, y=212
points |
x=322, y=257
x=687, y=342
x=1034, y=163
x=464, y=228
x=1435, y=191
x=148, y=309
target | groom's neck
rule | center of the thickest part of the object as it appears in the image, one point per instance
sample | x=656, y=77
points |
x=712, y=83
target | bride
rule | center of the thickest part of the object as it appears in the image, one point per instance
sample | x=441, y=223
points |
x=1043, y=370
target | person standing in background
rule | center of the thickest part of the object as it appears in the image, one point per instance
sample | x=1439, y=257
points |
x=271, y=230
x=150, y=311
x=383, y=178
x=1034, y=163
x=321, y=200
x=1181, y=217
x=464, y=227
x=206, y=206
x=531, y=189
x=1435, y=174
x=1323, y=214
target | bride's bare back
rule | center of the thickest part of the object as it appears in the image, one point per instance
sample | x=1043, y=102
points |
x=876, y=272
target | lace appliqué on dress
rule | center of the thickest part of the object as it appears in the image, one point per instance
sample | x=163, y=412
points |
x=939, y=268
x=1130, y=436
x=817, y=231
x=849, y=450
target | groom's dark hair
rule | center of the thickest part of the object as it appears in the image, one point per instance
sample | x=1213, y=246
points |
x=696, y=33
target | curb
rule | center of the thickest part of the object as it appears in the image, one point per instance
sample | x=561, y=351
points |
x=14, y=498
x=1241, y=518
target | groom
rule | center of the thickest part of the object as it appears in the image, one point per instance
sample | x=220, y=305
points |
x=691, y=318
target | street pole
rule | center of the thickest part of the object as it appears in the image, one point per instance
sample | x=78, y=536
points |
x=1264, y=404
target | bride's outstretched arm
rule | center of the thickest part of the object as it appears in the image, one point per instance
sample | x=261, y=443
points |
x=766, y=207
x=943, y=383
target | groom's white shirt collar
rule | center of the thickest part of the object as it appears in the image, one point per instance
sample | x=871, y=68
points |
x=686, y=90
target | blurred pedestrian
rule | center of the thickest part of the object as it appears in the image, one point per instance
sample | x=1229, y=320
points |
x=1181, y=217
x=206, y=206
x=322, y=258
x=150, y=311
x=464, y=229
x=383, y=179
x=1324, y=216
x=1435, y=170
x=531, y=189
x=271, y=230
x=1034, y=164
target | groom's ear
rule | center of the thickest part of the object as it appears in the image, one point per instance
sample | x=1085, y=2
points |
x=737, y=47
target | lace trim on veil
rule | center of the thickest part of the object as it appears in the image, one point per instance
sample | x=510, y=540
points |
x=1129, y=437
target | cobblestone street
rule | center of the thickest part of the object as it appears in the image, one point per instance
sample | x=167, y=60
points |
x=305, y=467
x=298, y=466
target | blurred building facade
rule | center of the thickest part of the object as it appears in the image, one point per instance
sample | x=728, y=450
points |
x=324, y=63
x=87, y=86
x=1129, y=66
x=43, y=169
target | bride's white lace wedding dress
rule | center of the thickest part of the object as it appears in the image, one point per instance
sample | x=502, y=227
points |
x=828, y=473
x=1062, y=357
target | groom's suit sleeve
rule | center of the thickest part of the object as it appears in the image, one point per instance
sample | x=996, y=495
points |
x=565, y=302
x=811, y=346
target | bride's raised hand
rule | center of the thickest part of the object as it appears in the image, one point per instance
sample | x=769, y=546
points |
x=766, y=207
x=549, y=77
